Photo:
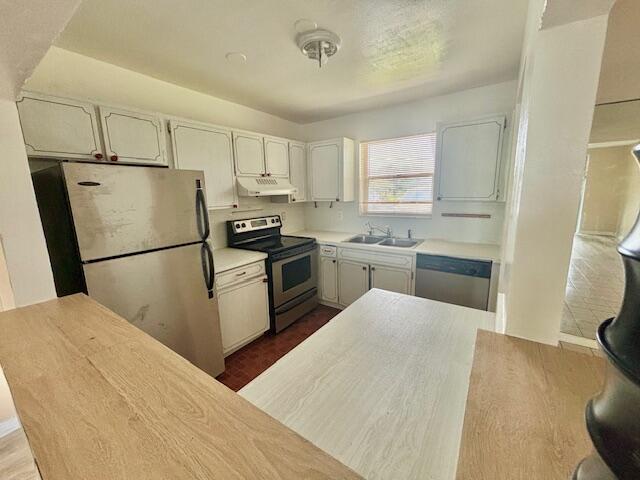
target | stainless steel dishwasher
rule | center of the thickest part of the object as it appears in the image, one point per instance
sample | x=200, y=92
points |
x=453, y=280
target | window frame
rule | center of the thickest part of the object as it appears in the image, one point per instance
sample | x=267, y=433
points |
x=363, y=179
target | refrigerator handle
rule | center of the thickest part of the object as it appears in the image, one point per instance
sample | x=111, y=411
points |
x=208, y=269
x=202, y=216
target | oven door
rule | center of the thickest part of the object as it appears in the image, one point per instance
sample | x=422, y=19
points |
x=294, y=276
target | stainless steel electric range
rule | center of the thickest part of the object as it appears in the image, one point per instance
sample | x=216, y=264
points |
x=291, y=266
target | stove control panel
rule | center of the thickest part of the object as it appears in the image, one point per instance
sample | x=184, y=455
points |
x=253, y=224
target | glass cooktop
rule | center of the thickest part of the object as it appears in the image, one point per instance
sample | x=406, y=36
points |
x=276, y=244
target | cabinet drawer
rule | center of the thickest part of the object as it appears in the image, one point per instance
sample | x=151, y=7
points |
x=378, y=258
x=328, y=251
x=240, y=274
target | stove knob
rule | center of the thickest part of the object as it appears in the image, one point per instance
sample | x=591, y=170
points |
x=244, y=225
x=273, y=220
x=237, y=225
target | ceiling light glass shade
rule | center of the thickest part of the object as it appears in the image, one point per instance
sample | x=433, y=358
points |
x=318, y=45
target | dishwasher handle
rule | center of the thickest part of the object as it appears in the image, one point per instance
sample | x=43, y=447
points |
x=459, y=266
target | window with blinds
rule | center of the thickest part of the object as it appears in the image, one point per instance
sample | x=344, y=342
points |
x=396, y=175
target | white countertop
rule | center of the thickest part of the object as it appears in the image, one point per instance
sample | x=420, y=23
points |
x=382, y=387
x=474, y=251
x=227, y=258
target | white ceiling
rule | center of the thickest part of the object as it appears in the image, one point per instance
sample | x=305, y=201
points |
x=392, y=50
x=620, y=74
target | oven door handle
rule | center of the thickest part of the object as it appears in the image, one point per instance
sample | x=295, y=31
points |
x=295, y=257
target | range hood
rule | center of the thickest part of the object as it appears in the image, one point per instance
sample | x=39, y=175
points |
x=264, y=186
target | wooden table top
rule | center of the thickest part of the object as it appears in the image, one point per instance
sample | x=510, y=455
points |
x=100, y=399
x=525, y=410
x=382, y=387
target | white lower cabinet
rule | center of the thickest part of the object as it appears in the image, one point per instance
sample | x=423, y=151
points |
x=328, y=279
x=353, y=281
x=391, y=279
x=362, y=269
x=244, y=313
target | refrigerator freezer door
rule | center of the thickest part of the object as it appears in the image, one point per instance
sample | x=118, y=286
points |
x=164, y=293
x=121, y=209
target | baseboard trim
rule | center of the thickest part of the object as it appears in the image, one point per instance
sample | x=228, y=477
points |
x=584, y=342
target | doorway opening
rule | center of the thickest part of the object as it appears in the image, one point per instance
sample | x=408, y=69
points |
x=610, y=202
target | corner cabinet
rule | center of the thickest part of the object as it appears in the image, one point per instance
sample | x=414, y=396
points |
x=133, y=136
x=469, y=160
x=331, y=165
x=59, y=127
x=298, y=170
x=208, y=148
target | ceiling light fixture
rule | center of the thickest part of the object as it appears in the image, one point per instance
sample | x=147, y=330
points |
x=318, y=44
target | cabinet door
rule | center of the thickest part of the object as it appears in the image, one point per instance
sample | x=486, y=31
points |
x=132, y=136
x=58, y=127
x=353, y=281
x=298, y=170
x=210, y=149
x=249, y=154
x=391, y=279
x=469, y=157
x=276, y=157
x=324, y=171
x=244, y=313
x=329, y=279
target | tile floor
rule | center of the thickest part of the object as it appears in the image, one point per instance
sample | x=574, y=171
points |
x=253, y=359
x=594, y=287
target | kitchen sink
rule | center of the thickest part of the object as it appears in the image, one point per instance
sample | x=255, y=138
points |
x=368, y=239
x=399, y=242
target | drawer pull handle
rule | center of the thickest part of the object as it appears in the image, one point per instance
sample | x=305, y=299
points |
x=241, y=274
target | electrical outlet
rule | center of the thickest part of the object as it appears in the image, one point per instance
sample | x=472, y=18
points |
x=340, y=215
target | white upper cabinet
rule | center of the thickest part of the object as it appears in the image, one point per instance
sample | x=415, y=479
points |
x=298, y=170
x=469, y=159
x=133, y=136
x=331, y=165
x=249, y=154
x=276, y=157
x=59, y=127
x=210, y=149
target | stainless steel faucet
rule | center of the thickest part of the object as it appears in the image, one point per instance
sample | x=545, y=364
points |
x=386, y=230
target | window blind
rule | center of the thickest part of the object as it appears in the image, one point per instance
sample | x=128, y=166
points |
x=397, y=175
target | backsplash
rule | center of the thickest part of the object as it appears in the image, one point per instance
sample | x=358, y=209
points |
x=292, y=217
x=344, y=217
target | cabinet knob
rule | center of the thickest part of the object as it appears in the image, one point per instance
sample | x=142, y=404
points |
x=268, y=174
x=364, y=268
x=334, y=261
x=337, y=199
x=263, y=175
x=373, y=269
x=98, y=156
x=113, y=158
x=265, y=280
x=293, y=199
x=235, y=206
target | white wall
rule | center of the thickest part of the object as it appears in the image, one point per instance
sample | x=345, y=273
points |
x=560, y=73
x=21, y=233
x=407, y=119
